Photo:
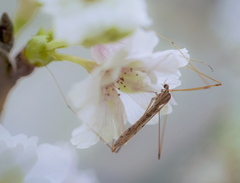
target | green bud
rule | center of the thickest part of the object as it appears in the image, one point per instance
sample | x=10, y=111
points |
x=40, y=50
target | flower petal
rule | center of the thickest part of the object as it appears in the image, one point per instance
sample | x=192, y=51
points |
x=6, y=137
x=142, y=44
x=17, y=163
x=101, y=53
x=136, y=105
x=86, y=91
x=79, y=21
x=169, y=61
x=106, y=119
x=83, y=137
x=53, y=164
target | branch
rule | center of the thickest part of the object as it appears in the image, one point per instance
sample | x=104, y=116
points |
x=8, y=74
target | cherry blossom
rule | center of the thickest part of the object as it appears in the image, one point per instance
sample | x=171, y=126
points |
x=121, y=88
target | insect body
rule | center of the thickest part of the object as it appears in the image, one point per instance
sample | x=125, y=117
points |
x=156, y=104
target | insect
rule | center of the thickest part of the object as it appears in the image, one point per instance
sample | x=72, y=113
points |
x=155, y=106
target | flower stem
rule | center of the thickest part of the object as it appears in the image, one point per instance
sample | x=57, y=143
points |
x=89, y=65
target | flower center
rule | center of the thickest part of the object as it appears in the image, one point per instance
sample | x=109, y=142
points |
x=127, y=80
x=110, y=91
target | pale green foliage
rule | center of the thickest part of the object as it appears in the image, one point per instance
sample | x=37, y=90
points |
x=108, y=36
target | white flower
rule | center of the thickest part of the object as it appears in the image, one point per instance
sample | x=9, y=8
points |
x=91, y=22
x=21, y=161
x=123, y=84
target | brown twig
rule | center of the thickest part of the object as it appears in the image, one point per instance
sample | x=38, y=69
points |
x=9, y=75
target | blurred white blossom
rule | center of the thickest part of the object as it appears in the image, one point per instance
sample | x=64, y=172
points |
x=21, y=161
x=91, y=22
x=123, y=85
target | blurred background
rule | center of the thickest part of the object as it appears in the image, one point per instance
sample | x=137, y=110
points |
x=202, y=137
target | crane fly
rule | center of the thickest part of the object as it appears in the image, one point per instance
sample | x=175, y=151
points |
x=155, y=106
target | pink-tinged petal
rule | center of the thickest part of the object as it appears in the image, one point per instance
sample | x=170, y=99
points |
x=112, y=67
x=101, y=53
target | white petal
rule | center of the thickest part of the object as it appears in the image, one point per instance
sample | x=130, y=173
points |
x=17, y=163
x=83, y=137
x=53, y=164
x=172, y=101
x=28, y=142
x=169, y=61
x=136, y=105
x=106, y=119
x=142, y=44
x=6, y=137
x=86, y=91
x=169, y=79
x=77, y=20
x=152, y=77
x=113, y=66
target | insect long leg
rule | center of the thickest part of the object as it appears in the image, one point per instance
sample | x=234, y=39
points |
x=200, y=88
x=150, y=104
x=159, y=132
x=201, y=75
x=112, y=144
x=118, y=149
x=73, y=110
x=164, y=125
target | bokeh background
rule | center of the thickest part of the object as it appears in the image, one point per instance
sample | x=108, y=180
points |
x=202, y=137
